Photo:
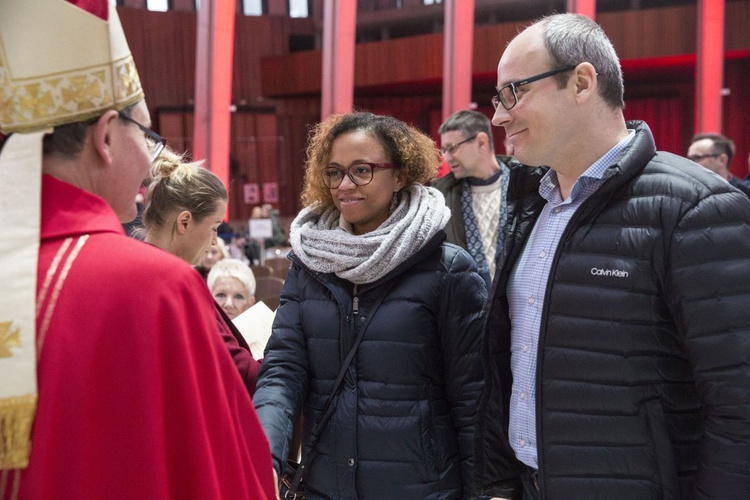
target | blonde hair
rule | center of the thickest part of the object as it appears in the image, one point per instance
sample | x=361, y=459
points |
x=414, y=152
x=178, y=185
x=232, y=268
x=222, y=248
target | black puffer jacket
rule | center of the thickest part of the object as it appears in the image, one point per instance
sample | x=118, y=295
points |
x=404, y=425
x=643, y=376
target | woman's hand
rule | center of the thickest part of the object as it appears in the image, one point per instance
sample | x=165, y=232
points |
x=276, y=483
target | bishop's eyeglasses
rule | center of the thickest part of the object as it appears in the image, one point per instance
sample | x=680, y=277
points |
x=156, y=143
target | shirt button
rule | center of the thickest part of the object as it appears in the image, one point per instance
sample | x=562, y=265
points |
x=557, y=210
x=522, y=442
x=532, y=300
x=351, y=462
x=526, y=348
x=542, y=254
x=523, y=396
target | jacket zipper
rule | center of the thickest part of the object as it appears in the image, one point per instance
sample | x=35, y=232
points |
x=583, y=210
x=355, y=301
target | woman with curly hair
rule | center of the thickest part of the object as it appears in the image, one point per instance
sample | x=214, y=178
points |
x=373, y=283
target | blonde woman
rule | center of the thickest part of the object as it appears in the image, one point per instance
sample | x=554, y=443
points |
x=185, y=204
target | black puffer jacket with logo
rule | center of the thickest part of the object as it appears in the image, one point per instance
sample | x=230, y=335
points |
x=403, y=427
x=643, y=376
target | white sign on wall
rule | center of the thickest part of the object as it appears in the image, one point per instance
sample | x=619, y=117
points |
x=260, y=228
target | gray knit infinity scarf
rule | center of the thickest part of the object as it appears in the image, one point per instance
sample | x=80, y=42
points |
x=324, y=247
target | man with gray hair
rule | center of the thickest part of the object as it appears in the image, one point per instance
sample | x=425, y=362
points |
x=617, y=341
x=475, y=188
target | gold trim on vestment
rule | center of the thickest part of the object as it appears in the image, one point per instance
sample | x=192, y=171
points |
x=56, y=293
x=15, y=475
x=10, y=336
x=16, y=416
x=51, y=274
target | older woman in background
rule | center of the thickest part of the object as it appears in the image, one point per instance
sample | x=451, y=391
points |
x=232, y=283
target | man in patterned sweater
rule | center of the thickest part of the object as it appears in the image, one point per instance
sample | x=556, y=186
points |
x=475, y=189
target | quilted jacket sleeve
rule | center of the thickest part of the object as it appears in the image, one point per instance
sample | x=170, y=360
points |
x=462, y=304
x=708, y=286
x=283, y=377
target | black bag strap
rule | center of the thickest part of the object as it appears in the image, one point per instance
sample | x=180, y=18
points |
x=329, y=407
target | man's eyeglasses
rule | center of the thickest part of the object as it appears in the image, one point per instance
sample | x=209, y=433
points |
x=697, y=158
x=452, y=148
x=360, y=173
x=156, y=143
x=507, y=94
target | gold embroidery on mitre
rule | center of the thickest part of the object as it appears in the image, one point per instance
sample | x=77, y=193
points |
x=16, y=417
x=56, y=99
x=130, y=83
x=82, y=93
x=9, y=337
x=6, y=105
x=37, y=101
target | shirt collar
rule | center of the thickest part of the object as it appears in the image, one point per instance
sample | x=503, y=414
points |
x=476, y=181
x=594, y=174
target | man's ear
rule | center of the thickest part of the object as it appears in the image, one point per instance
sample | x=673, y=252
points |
x=585, y=80
x=482, y=139
x=724, y=158
x=102, y=135
x=183, y=221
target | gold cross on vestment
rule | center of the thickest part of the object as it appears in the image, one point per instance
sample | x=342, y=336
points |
x=8, y=338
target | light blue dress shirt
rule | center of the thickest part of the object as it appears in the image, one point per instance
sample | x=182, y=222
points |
x=527, y=290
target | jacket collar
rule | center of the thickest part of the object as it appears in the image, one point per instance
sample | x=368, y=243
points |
x=636, y=155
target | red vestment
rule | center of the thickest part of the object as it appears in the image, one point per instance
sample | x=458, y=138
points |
x=138, y=397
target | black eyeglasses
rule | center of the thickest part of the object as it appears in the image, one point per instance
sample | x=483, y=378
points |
x=697, y=158
x=360, y=173
x=452, y=148
x=156, y=143
x=507, y=94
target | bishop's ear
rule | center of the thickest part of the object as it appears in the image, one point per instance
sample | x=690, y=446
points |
x=102, y=135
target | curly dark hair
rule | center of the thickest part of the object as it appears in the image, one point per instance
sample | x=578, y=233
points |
x=414, y=152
